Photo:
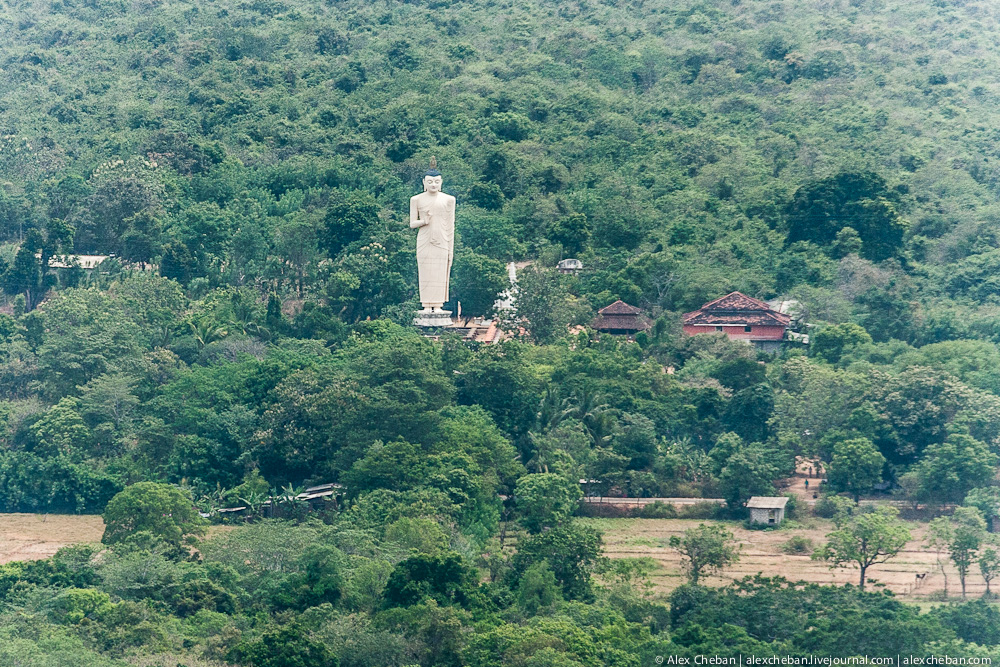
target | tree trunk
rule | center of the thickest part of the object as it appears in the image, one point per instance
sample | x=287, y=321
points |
x=864, y=568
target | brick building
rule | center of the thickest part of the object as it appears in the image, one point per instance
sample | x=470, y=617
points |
x=741, y=318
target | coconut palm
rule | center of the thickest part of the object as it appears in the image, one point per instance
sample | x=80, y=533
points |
x=206, y=331
x=589, y=408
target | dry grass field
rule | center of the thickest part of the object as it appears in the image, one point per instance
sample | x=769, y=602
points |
x=761, y=553
x=35, y=536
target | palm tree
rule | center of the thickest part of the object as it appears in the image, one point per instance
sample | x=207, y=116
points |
x=589, y=408
x=162, y=335
x=214, y=500
x=696, y=464
x=539, y=461
x=244, y=320
x=551, y=410
x=206, y=331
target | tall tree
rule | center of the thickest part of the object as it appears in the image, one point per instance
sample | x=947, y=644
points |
x=545, y=500
x=477, y=282
x=750, y=471
x=164, y=511
x=543, y=304
x=967, y=535
x=949, y=470
x=349, y=218
x=705, y=549
x=989, y=561
x=865, y=538
x=856, y=466
x=859, y=200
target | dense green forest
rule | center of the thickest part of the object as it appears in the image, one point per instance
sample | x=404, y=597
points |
x=248, y=164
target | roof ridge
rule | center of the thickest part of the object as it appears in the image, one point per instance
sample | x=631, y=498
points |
x=619, y=307
x=711, y=305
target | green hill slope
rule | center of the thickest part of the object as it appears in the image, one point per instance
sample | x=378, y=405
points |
x=663, y=142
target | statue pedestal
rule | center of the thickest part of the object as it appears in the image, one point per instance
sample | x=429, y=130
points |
x=433, y=318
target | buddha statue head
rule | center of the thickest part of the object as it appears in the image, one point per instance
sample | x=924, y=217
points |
x=432, y=178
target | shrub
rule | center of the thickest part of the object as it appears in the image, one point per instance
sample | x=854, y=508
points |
x=700, y=511
x=792, y=506
x=604, y=510
x=658, y=510
x=825, y=507
x=798, y=545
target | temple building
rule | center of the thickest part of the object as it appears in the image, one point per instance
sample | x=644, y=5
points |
x=741, y=318
x=620, y=319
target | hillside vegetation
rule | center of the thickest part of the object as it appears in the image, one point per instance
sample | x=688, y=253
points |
x=249, y=165
x=681, y=149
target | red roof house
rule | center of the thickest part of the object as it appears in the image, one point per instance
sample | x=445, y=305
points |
x=621, y=319
x=741, y=318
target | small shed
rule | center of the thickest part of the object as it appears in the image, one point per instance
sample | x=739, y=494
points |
x=570, y=266
x=316, y=496
x=767, y=510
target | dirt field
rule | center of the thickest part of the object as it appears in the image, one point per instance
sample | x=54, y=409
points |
x=761, y=553
x=35, y=536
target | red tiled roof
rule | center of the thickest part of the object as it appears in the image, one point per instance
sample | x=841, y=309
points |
x=619, y=308
x=736, y=309
x=735, y=301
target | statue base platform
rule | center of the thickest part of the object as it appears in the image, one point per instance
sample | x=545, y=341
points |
x=433, y=318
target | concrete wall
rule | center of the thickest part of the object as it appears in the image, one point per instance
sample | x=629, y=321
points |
x=765, y=516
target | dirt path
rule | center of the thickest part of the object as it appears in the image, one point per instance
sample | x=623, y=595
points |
x=806, y=481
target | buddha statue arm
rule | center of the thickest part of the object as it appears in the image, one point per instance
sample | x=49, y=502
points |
x=414, y=222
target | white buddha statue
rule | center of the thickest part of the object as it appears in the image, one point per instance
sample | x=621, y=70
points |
x=432, y=212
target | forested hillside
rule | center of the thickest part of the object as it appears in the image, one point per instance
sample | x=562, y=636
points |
x=681, y=149
x=249, y=164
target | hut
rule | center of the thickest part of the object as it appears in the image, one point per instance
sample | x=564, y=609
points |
x=620, y=319
x=767, y=510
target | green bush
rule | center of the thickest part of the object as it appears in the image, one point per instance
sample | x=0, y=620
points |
x=825, y=507
x=30, y=483
x=658, y=510
x=701, y=511
x=798, y=545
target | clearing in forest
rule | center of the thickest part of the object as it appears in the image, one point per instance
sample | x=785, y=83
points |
x=37, y=536
x=761, y=552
